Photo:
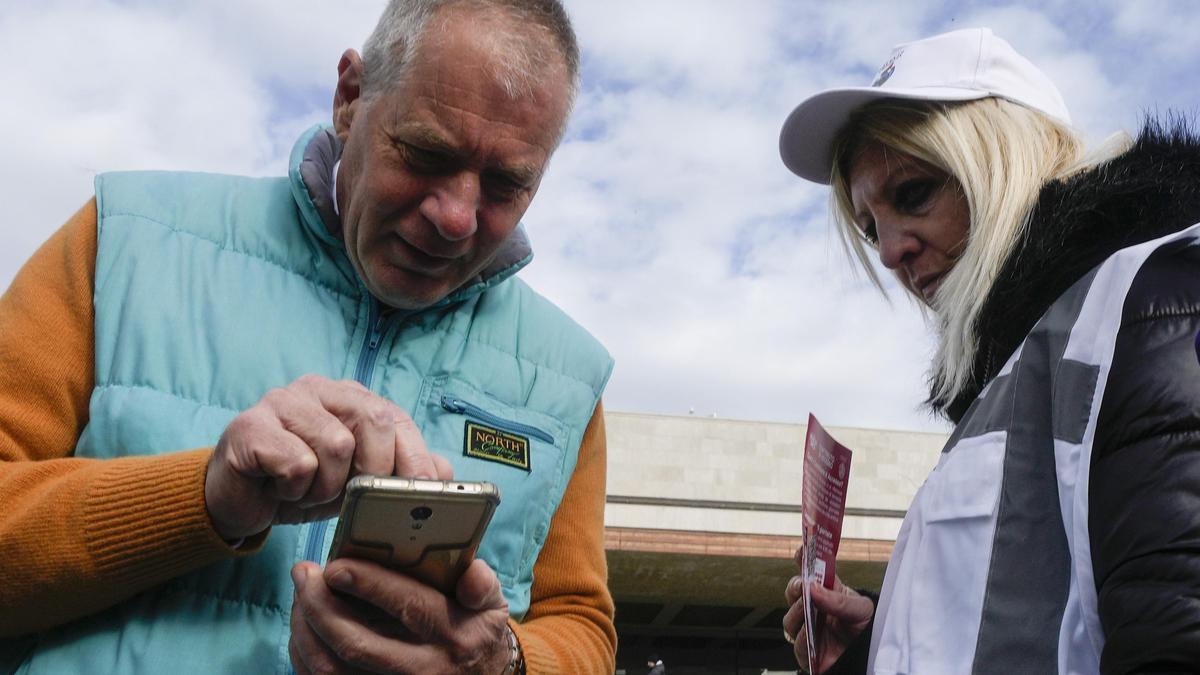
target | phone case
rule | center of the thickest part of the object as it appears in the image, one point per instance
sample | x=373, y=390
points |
x=428, y=529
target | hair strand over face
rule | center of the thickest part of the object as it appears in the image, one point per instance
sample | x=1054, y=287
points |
x=1001, y=154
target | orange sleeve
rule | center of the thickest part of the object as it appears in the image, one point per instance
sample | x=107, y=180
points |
x=569, y=626
x=79, y=535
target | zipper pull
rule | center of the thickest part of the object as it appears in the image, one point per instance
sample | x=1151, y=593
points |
x=452, y=404
x=376, y=334
x=376, y=318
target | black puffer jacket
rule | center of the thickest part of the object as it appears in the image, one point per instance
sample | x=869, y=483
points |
x=1144, y=492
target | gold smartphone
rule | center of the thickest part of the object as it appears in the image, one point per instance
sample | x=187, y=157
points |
x=428, y=529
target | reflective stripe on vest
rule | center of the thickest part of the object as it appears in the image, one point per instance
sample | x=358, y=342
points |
x=992, y=571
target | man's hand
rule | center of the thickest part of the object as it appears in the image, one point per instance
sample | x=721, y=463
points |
x=382, y=621
x=846, y=614
x=287, y=459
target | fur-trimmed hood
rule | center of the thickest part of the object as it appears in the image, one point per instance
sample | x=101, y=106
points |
x=1149, y=191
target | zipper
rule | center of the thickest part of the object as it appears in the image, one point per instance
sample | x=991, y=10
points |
x=363, y=373
x=366, y=358
x=457, y=405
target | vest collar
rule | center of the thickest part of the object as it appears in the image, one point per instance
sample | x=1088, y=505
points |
x=310, y=171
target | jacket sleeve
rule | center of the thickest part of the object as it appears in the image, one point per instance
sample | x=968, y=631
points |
x=569, y=626
x=854, y=660
x=78, y=535
x=1144, y=491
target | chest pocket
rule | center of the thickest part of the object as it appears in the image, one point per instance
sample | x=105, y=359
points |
x=966, y=483
x=522, y=451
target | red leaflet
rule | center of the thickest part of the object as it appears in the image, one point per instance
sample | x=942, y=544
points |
x=826, y=474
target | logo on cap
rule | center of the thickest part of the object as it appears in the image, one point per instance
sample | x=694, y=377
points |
x=888, y=68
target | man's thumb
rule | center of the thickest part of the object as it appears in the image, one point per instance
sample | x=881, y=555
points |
x=479, y=589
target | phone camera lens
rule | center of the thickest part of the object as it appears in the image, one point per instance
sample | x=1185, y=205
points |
x=421, y=513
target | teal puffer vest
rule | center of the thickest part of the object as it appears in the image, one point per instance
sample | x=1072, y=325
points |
x=211, y=290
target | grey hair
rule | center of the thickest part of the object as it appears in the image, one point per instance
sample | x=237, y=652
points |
x=544, y=33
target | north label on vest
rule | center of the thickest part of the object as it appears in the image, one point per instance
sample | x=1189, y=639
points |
x=494, y=445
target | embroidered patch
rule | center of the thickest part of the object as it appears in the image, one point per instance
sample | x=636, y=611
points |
x=494, y=445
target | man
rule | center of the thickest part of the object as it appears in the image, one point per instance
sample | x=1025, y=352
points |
x=358, y=316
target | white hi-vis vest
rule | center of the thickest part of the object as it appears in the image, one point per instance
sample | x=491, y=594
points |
x=992, y=569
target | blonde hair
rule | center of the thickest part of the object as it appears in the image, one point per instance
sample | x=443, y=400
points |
x=1001, y=154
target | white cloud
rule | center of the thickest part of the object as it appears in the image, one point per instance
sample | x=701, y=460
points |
x=103, y=87
x=717, y=46
x=1167, y=28
x=1072, y=64
x=856, y=35
x=667, y=224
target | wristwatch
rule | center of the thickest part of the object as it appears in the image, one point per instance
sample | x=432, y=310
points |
x=516, y=663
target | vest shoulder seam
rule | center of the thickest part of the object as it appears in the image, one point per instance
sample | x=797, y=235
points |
x=223, y=247
x=156, y=390
x=519, y=357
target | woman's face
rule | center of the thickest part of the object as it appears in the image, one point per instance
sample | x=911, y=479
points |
x=914, y=214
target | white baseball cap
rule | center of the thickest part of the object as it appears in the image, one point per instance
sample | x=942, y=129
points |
x=962, y=65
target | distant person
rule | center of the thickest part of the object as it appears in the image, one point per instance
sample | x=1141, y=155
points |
x=195, y=364
x=1059, y=531
x=655, y=665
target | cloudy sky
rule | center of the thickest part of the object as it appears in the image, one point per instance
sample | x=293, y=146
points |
x=667, y=224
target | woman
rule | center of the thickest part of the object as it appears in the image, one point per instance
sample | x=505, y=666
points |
x=1060, y=530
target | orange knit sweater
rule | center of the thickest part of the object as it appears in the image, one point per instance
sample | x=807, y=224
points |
x=78, y=535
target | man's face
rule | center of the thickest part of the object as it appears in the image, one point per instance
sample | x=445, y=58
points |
x=436, y=172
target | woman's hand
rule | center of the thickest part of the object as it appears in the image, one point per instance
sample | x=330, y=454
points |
x=844, y=612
